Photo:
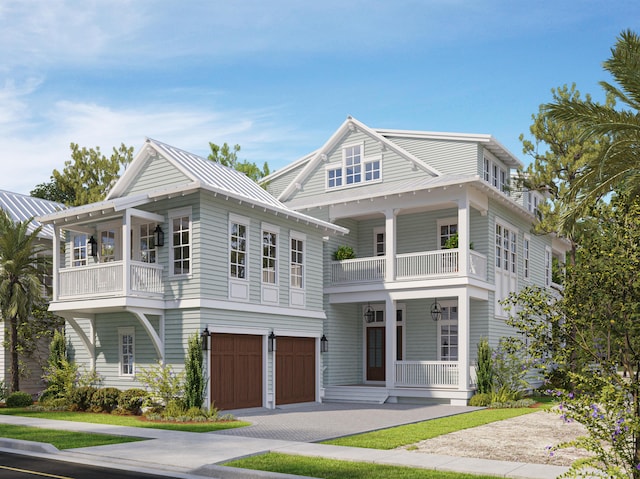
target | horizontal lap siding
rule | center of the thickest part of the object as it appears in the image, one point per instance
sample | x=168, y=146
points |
x=344, y=331
x=446, y=156
x=155, y=174
x=421, y=331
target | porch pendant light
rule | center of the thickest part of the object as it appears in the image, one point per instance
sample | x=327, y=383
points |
x=93, y=247
x=369, y=314
x=324, y=344
x=436, y=311
x=158, y=236
x=272, y=342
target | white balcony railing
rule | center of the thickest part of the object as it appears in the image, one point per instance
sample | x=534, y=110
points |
x=409, y=266
x=107, y=279
x=427, y=373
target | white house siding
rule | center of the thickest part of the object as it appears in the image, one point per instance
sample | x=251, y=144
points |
x=446, y=156
x=154, y=175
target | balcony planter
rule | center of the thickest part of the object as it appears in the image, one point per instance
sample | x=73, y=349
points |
x=344, y=252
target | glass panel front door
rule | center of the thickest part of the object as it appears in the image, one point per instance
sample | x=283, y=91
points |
x=375, y=354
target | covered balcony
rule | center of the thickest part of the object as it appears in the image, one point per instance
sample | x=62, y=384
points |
x=412, y=266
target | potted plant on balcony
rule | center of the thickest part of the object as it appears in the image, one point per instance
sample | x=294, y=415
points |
x=344, y=252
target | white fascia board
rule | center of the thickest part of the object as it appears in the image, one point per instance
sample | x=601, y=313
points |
x=292, y=166
x=91, y=211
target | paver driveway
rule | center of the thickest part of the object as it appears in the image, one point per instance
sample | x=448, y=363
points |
x=318, y=422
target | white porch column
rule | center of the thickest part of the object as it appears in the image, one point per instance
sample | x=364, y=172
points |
x=464, y=361
x=126, y=252
x=390, y=244
x=55, y=255
x=390, y=342
x=463, y=235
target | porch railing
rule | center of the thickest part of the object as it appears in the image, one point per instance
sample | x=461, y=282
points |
x=409, y=266
x=107, y=279
x=427, y=373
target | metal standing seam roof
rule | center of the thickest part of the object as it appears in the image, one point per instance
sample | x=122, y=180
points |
x=22, y=208
x=219, y=176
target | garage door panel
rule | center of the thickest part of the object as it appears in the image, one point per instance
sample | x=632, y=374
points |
x=295, y=370
x=236, y=371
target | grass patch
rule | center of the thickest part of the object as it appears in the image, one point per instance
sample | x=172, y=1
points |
x=131, y=421
x=412, y=433
x=334, y=469
x=62, y=439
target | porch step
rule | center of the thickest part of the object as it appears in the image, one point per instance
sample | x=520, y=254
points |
x=356, y=394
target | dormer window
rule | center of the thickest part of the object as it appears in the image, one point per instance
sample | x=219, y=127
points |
x=495, y=174
x=355, y=169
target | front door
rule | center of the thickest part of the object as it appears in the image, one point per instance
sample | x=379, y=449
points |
x=375, y=353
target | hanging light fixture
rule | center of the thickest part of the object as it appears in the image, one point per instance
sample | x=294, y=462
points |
x=324, y=344
x=436, y=310
x=204, y=337
x=369, y=314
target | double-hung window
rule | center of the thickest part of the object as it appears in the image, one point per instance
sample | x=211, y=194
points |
x=269, y=257
x=355, y=168
x=506, y=256
x=526, y=251
x=297, y=263
x=180, y=221
x=238, y=250
x=79, y=250
x=127, y=351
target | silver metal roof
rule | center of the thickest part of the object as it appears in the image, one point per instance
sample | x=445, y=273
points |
x=22, y=208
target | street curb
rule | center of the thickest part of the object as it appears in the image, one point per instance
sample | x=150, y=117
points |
x=226, y=472
x=31, y=446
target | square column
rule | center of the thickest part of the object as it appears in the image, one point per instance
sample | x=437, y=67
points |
x=464, y=361
x=390, y=342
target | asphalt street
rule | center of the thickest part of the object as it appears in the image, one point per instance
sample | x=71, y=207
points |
x=18, y=466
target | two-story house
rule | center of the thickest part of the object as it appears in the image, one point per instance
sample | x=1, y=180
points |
x=181, y=246
x=439, y=241
x=24, y=208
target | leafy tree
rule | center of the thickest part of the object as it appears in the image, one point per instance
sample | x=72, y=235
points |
x=559, y=155
x=20, y=289
x=616, y=167
x=87, y=177
x=228, y=157
x=194, y=380
x=588, y=340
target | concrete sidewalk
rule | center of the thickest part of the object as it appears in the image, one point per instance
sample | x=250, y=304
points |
x=191, y=455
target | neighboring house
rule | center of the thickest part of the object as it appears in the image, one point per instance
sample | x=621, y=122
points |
x=181, y=246
x=439, y=240
x=23, y=208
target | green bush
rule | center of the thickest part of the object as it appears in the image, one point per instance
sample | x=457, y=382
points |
x=163, y=384
x=484, y=370
x=480, y=400
x=344, y=252
x=19, y=399
x=105, y=400
x=131, y=401
x=194, y=379
x=81, y=398
x=174, y=409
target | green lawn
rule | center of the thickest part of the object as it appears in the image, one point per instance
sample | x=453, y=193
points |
x=61, y=439
x=413, y=433
x=333, y=469
x=132, y=421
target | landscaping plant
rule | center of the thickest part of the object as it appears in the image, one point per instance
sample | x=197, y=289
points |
x=484, y=369
x=194, y=380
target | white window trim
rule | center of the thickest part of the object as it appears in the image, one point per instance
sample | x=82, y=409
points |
x=548, y=266
x=82, y=247
x=448, y=322
x=509, y=274
x=526, y=257
x=376, y=231
x=246, y=222
x=129, y=331
x=269, y=228
x=453, y=220
x=381, y=307
x=364, y=160
x=297, y=296
x=178, y=213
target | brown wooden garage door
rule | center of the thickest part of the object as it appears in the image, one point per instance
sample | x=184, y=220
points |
x=295, y=370
x=236, y=370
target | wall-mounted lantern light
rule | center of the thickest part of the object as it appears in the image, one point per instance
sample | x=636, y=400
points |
x=158, y=236
x=93, y=247
x=436, y=311
x=272, y=342
x=324, y=344
x=369, y=314
x=204, y=339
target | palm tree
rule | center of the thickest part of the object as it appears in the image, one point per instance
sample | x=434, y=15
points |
x=20, y=287
x=617, y=168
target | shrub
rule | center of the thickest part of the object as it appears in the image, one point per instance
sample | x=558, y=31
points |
x=131, y=401
x=484, y=371
x=60, y=378
x=344, y=252
x=174, y=409
x=105, y=400
x=19, y=399
x=480, y=400
x=162, y=382
x=81, y=398
x=194, y=381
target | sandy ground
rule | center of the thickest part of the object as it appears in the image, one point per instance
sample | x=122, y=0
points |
x=521, y=439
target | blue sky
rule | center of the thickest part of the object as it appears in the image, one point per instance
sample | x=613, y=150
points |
x=278, y=77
